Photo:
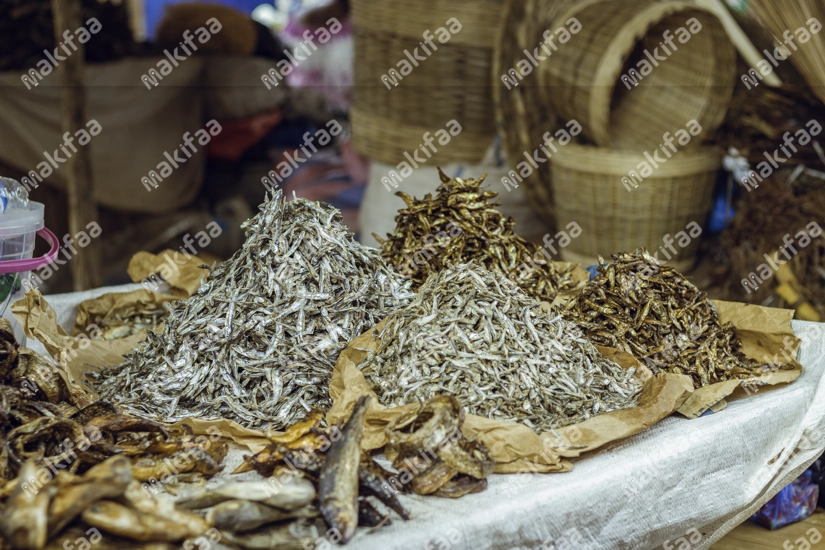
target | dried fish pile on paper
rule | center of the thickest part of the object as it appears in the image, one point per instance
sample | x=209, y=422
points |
x=654, y=313
x=461, y=224
x=477, y=336
x=332, y=459
x=257, y=343
x=105, y=508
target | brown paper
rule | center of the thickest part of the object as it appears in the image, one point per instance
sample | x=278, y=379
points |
x=76, y=354
x=765, y=334
x=182, y=273
x=109, y=304
x=513, y=446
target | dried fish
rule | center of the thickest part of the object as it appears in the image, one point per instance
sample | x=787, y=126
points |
x=338, y=487
x=475, y=335
x=654, y=313
x=246, y=515
x=257, y=343
x=461, y=224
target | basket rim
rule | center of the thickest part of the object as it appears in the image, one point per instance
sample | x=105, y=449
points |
x=600, y=160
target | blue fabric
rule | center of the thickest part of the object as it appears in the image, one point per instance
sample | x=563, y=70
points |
x=795, y=502
x=154, y=9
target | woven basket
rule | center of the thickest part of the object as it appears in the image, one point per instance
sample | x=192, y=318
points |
x=588, y=189
x=583, y=78
x=451, y=84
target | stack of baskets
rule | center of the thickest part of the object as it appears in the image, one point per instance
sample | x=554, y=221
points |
x=391, y=110
x=636, y=74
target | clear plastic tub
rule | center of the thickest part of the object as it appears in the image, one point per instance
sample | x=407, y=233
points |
x=18, y=231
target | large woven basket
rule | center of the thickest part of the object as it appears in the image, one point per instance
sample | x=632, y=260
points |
x=585, y=78
x=590, y=187
x=452, y=84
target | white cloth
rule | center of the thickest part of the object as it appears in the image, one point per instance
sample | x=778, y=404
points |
x=710, y=474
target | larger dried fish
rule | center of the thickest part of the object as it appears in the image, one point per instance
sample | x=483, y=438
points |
x=257, y=343
x=653, y=312
x=475, y=335
x=461, y=224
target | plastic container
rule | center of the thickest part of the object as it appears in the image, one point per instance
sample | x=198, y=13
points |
x=19, y=226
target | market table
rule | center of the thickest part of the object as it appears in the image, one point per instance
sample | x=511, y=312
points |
x=708, y=474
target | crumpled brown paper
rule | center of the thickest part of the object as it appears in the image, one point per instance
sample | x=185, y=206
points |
x=182, y=273
x=766, y=336
x=514, y=447
x=78, y=355
x=75, y=354
x=108, y=304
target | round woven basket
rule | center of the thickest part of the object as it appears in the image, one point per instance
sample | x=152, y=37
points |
x=626, y=85
x=453, y=83
x=590, y=188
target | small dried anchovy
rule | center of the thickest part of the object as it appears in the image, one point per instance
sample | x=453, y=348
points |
x=653, y=312
x=257, y=343
x=461, y=224
x=477, y=336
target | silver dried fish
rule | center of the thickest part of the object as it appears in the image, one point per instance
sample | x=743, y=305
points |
x=257, y=343
x=477, y=336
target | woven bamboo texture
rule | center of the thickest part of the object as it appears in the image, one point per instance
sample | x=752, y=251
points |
x=451, y=84
x=588, y=189
x=522, y=112
x=583, y=78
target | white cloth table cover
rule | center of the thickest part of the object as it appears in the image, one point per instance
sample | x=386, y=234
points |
x=708, y=474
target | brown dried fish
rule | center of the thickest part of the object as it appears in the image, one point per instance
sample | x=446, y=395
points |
x=338, y=487
x=654, y=313
x=475, y=335
x=258, y=342
x=461, y=224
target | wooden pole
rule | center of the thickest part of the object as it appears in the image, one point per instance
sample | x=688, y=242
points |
x=86, y=265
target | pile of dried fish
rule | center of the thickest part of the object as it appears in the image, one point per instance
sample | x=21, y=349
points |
x=257, y=343
x=433, y=453
x=333, y=460
x=475, y=335
x=653, y=312
x=71, y=511
x=461, y=224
